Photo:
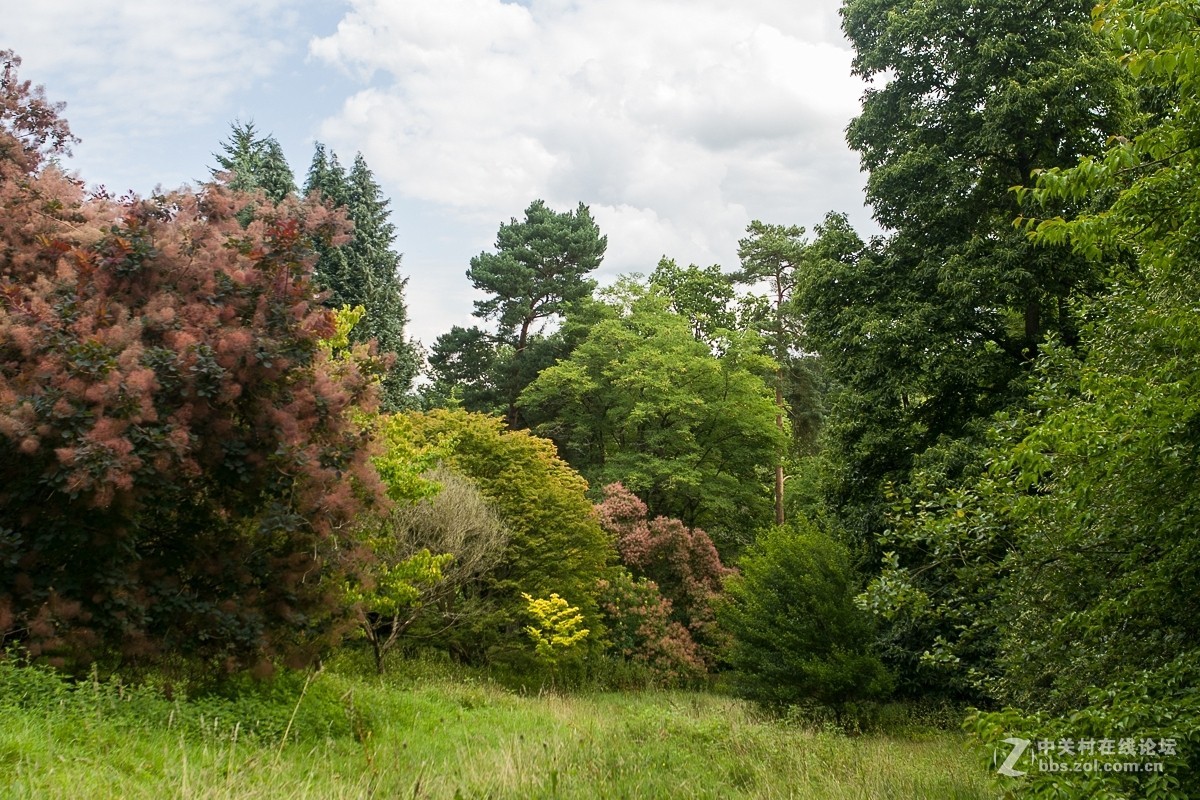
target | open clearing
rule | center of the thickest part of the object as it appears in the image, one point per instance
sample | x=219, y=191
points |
x=403, y=736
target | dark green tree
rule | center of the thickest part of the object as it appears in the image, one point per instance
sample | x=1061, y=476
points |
x=1098, y=588
x=936, y=328
x=467, y=372
x=365, y=271
x=539, y=267
x=797, y=634
x=254, y=163
x=327, y=176
x=539, y=270
x=1089, y=507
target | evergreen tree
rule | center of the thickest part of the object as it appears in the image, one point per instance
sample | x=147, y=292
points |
x=326, y=175
x=275, y=177
x=538, y=272
x=254, y=163
x=365, y=271
x=797, y=633
x=327, y=178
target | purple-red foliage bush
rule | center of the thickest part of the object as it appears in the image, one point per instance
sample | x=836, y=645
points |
x=176, y=454
x=641, y=630
x=681, y=561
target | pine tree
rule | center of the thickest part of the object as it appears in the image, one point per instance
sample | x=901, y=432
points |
x=537, y=273
x=275, y=177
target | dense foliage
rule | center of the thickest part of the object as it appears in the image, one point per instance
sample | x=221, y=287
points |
x=982, y=424
x=692, y=432
x=935, y=328
x=178, y=458
x=681, y=563
x=1060, y=578
x=797, y=634
x=642, y=630
x=555, y=544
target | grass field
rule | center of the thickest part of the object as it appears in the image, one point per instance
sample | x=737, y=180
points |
x=340, y=735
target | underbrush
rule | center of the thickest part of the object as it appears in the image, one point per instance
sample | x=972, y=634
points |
x=293, y=705
x=432, y=729
x=866, y=718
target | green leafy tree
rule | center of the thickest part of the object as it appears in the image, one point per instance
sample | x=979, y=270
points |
x=703, y=296
x=431, y=550
x=1100, y=580
x=555, y=543
x=642, y=402
x=797, y=635
x=539, y=269
x=1117, y=436
x=365, y=270
x=934, y=329
x=1079, y=541
x=396, y=595
x=928, y=332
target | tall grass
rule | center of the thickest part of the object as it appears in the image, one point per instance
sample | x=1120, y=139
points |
x=341, y=734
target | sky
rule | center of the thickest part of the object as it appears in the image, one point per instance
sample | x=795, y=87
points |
x=676, y=121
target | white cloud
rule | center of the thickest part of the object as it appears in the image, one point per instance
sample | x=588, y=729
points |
x=152, y=86
x=150, y=64
x=677, y=122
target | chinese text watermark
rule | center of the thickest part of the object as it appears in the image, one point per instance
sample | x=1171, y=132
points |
x=1128, y=754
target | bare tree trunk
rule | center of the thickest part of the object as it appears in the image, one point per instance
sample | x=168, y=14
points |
x=779, y=464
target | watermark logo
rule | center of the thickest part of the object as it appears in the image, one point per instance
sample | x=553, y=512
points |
x=1019, y=745
x=1108, y=754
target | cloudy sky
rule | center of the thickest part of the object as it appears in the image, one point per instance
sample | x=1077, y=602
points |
x=676, y=121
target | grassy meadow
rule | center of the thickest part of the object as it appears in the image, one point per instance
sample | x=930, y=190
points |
x=426, y=734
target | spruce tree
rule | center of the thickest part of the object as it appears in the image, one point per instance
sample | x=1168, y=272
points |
x=254, y=163
x=365, y=271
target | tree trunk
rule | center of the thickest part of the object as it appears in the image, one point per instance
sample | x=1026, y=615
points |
x=512, y=416
x=1033, y=327
x=779, y=464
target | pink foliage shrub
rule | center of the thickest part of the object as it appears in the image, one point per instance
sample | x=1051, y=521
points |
x=682, y=562
x=178, y=460
x=641, y=629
